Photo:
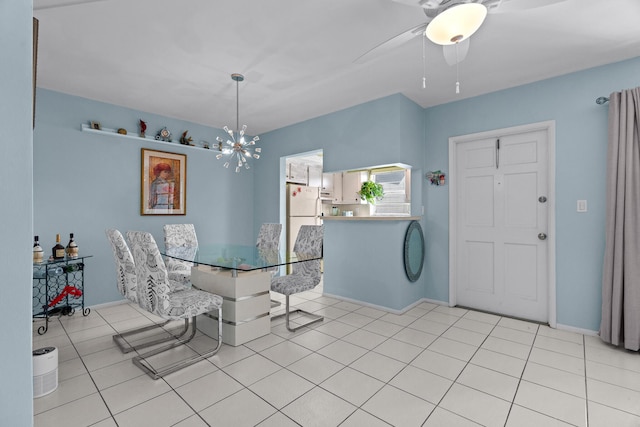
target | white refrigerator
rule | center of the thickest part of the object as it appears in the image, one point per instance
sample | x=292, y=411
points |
x=303, y=208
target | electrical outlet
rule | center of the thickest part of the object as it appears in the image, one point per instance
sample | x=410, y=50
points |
x=582, y=206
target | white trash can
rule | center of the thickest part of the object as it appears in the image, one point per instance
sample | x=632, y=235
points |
x=45, y=371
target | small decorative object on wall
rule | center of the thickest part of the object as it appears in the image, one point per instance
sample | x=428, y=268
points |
x=184, y=140
x=163, y=183
x=371, y=191
x=122, y=131
x=143, y=128
x=95, y=125
x=163, y=135
x=436, y=177
x=205, y=144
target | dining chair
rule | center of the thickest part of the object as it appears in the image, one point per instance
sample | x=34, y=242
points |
x=126, y=283
x=268, y=245
x=156, y=296
x=305, y=275
x=180, y=236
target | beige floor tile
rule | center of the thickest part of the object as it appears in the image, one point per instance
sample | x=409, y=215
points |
x=488, y=381
x=398, y=407
x=553, y=403
x=85, y=411
x=318, y=408
x=233, y=411
x=423, y=384
x=281, y=388
x=352, y=386
x=476, y=406
x=162, y=411
x=208, y=389
x=315, y=367
x=555, y=378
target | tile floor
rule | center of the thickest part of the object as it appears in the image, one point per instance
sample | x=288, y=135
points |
x=432, y=366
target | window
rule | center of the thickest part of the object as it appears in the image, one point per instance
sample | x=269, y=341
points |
x=396, y=183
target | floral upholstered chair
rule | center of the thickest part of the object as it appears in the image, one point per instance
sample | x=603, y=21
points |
x=180, y=237
x=127, y=286
x=304, y=275
x=157, y=297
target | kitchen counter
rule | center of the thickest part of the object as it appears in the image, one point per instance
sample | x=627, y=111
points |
x=371, y=218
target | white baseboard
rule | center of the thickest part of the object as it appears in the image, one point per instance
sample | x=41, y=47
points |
x=107, y=304
x=387, y=309
x=577, y=330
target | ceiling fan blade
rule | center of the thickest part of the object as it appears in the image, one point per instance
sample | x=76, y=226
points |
x=451, y=56
x=391, y=44
x=507, y=6
x=53, y=4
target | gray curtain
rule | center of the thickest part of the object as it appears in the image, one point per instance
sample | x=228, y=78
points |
x=621, y=272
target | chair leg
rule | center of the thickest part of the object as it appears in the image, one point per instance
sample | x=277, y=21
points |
x=143, y=363
x=121, y=338
x=287, y=313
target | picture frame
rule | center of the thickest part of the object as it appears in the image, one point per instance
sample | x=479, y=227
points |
x=163, y=183
x=95, y=125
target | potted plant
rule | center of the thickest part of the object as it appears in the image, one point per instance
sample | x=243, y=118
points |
x=371, y=191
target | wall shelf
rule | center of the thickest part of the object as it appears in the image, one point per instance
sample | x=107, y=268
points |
x=114, y=132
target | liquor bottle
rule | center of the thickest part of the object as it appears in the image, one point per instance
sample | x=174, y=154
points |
x=37, y=250
x=58, y=249
x=72, y=248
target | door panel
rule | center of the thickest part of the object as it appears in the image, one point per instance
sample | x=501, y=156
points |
x=500, y=264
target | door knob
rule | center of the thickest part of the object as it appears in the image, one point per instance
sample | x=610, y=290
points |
x=542, y=236
x=542, y=199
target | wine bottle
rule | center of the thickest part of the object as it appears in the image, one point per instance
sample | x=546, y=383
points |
x=37, y=250
x=72, y=248
x=58, y=249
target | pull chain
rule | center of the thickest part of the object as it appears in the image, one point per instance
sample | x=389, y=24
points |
x=457, y=71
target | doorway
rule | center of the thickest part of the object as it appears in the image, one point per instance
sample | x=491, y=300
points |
x=502, y=239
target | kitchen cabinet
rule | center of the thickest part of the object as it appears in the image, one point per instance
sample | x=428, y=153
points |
x=351, y=183
x=314, y=176
x=297, y=173
x=342, y=187
x=326, y=189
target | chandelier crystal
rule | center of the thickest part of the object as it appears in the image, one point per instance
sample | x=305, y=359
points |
x=237, y=148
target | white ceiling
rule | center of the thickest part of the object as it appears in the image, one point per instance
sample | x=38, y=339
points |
x=175, y=57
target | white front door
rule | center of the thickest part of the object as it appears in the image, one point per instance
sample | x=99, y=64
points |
x=500, y=214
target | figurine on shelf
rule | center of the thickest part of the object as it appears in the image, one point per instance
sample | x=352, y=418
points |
x=184, y=140
x=143, y=128
x=163, y=135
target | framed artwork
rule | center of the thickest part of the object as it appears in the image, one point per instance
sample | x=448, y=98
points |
x=163, y=183
x=95, y=125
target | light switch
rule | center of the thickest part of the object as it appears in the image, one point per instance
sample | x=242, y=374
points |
x=582, y=206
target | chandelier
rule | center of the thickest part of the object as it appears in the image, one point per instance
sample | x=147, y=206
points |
x=237, y=148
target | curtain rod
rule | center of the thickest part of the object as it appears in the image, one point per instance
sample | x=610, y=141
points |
x=602, y=100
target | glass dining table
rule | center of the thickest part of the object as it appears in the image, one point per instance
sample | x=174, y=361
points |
x=237, y=258
x=241, y=275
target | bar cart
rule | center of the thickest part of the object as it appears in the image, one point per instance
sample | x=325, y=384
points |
x=58, y=289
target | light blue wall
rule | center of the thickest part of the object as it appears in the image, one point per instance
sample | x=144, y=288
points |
x=87, y=182
x=388, y=130
x=16, y=148
x=581, y=146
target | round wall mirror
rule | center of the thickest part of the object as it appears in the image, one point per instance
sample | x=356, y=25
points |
x=414, y=251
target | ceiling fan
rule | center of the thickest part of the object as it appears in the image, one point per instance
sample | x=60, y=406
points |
x=454, y=48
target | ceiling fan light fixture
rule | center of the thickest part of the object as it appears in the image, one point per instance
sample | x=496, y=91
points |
x=456, y=24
